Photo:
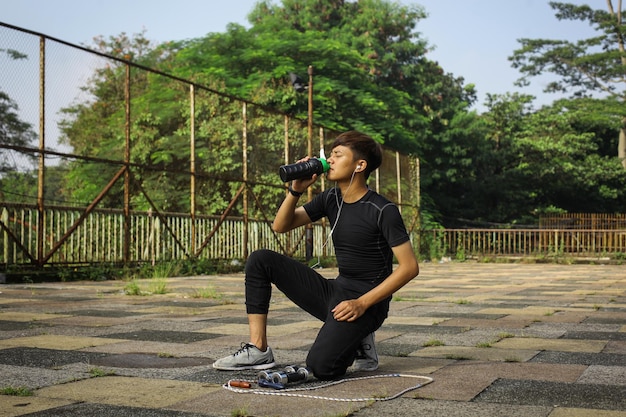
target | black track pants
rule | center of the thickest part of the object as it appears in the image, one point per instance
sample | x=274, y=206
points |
x=334, y=348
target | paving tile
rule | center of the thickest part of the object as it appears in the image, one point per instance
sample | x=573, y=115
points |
x=419, y=321
x=225, y=403
x=427, y=407
x=123, y=391
x=7, y=326
x=105, y=410
x=162, y=336
x=44, y=358
x=11, y=406
x=92, y=321
x=615, y=347
x=28, y=316
x=595, y=335
x=475, y=353
x=51, y=341
x=583, y=358
x=560, y=345
x=556, y=335
x=555, y=394
x=37, y=377
x=609, y=375
x=584, y=412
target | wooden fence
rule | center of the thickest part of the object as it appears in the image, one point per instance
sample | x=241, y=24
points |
x=601, y=221
x=461, y=243
x=99, y=238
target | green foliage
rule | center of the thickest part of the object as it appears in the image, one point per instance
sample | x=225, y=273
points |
x=370, y=73
x=98, y=373
x=370, y=70
x=132, y=288
x=208, y=292
x=589, y=66
x=16, y=391
x=537, y=162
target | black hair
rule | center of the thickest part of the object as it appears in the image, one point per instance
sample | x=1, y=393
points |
x=363, y=147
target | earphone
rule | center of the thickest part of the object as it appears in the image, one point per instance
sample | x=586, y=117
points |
x=358, y=167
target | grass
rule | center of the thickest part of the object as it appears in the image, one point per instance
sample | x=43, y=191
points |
x=208, y=292
x=132, y=288
x=433, y=342
x=16, y=391
x=458, y=357
x=156, y=286
x=97, y=372
x=239, y=412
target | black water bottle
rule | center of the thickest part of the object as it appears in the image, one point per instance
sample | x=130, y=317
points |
x=304, y=169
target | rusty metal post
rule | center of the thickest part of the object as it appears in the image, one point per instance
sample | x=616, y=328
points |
x=309, y=226
x=418, y=203
x=323, y=187
x=192, y=163
x=41, y=221
x=244, y=145
x=286, y=151
x=127, y=239
x=399, y=181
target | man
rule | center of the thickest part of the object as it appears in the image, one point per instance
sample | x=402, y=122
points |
x=368, y=232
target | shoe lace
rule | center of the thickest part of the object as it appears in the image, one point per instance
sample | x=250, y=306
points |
x=360, y=352
x=245, y=347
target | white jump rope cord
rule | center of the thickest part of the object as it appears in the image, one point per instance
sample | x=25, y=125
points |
x=291, y=392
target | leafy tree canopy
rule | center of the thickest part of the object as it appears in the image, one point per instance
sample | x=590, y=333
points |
x=584, y=67
x=369, y=64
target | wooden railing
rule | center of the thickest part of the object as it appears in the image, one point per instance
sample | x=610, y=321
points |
x=461, y=243
x=100, y=239
x=587, y=221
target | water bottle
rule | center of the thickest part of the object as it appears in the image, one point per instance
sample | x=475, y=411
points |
x=304, y=169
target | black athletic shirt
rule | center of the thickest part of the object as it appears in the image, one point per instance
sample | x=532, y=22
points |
x=364, y=234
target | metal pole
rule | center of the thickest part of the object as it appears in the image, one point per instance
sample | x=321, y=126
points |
x=399, y=181
x=127, y=238
x=244, y=145
x=309, y=227
x=42, y=146
x=192, y=163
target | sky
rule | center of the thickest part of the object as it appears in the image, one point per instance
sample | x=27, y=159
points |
x=470, y=38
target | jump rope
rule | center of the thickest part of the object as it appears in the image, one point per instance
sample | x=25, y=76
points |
x=279, y=389
x=278, y=384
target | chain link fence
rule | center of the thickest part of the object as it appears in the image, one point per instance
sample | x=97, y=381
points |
x=104, y=160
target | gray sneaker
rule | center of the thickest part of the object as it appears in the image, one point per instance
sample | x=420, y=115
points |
x=366, y=356
x=247, y=357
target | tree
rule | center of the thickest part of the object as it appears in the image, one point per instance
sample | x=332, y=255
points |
x=13, y=131
x=545, y=160
x=370, y=73
x=370, y=67
x=584, y=67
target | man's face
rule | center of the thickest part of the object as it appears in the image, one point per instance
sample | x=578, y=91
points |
x=341, y=162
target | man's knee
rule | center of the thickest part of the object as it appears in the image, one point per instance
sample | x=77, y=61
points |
x=260, y=261
x=325, y=366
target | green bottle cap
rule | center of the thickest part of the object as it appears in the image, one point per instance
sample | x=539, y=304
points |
x=325, y=166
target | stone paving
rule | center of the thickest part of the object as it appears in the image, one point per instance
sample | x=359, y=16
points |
x=496, y=339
